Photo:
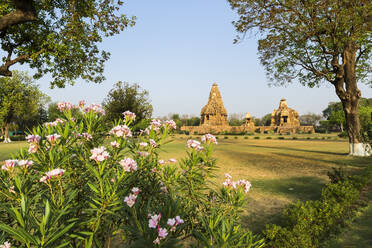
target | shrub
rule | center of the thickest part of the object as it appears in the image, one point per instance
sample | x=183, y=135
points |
x=294, y=138
x=226, y=137
x=268, y=137
x=235, y=137
x=308, y=138
x=309, y=223
x=281, y=137
x=69, y=190
x=245, y=137
x=257, y=137
x=18, y=138
x=343, y=134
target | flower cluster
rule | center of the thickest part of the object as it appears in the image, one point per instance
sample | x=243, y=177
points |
x=10, y=163
x=129, y=115
x=121, y=131
x=153, y=143
x=170, y=124
x=86, y=136
x=128, y=164
x=234, y=184
x=52, y=173
x=193, y=144
x=53, y=137
x=172, y=160
x=209, y=138
x=132, y=198
x=33, y=138
x=54, y=123
x=162, y=232
x=114, y=144
x=99, y=154
x=96, y=108
x=6, y=245
x=62, y=106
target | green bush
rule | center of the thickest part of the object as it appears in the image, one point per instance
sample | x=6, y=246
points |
x=225, y=137
x=235, y=137
x=245, y=137
x=309, y=223
x=308, y=138
x=294, y=138
x=268, y=137
x=343, y=134
x=281, y=137
x=18, y=138
x=257, y=137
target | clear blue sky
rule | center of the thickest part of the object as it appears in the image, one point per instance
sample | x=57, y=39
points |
x=178, y=49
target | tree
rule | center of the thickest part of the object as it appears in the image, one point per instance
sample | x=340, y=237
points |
x=310, y=119
x=338, y=118
x=236, y=119
x=315, y=41
x=20, y=100
x=59, y=37
x=127, y=97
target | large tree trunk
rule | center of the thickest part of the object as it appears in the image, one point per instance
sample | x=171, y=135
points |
x=349, y=94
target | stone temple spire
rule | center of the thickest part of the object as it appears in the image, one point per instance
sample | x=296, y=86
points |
x=214, y=113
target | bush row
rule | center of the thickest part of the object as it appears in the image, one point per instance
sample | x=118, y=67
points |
x=311, y=222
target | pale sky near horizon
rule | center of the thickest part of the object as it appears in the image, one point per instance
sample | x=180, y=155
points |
x=178, y=49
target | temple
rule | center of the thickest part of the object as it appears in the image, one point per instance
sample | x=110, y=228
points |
x=213, y=119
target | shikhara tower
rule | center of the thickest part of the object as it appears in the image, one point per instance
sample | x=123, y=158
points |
x=214, y=113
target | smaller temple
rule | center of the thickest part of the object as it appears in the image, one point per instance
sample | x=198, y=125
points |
x=249, y=123
x=284, y=116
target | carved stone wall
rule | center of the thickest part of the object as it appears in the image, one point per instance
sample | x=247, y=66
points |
x=284, y=116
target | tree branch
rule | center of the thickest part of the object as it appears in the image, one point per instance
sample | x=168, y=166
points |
x=24, y=12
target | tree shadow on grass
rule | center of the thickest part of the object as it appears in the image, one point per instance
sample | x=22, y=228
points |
x=294, y=189
x=347, y=161
x=298, y=149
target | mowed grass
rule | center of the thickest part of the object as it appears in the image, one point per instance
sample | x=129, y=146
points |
x=7, y=149
x=281, y=171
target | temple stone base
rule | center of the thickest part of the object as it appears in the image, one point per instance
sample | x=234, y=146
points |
x=203, y=129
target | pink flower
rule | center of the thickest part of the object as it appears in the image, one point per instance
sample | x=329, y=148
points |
x=128, y=164
x=6, y=245
x=143, y=154
x=156, y=241
x=87, y=136
x=246, y=185
x=99, y=154
x=143, y=144
x=130, y=200
x=62, y=106
x=193, y=144
x=153, y=143
x=179, y=220
x=162, y=233
x=96, y=108
x=171, y=222
x=25, y=163
x=52, y=173
x=11, y=190
x=154, y=220
x=9, y=164
x=33, y=148
x=161, y=161
x=81, y=103
x=172, y=160
x=170, y=124
x=243, y=183
x=209, y=138
x=121, y=131
x=164, y=189
x=227, y=175
x=115, y=144
x=33, y=138
x=135, y=190
x=53, y=137
x=129, y=115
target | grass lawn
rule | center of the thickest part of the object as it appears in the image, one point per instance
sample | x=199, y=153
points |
x=281, y=171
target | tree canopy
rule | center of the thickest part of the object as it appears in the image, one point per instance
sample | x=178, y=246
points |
x=125, y=96
x=20, y=100
x=59, y=37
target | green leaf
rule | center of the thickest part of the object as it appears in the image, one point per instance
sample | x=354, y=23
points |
x=56, y=236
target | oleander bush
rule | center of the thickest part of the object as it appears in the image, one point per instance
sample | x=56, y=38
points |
x=81, y=185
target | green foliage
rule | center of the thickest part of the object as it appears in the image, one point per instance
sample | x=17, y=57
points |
x=20, y=100
x=78, y=193
x=125, y=97
x=60, y=38
x=309, y=223
x=257, y=137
